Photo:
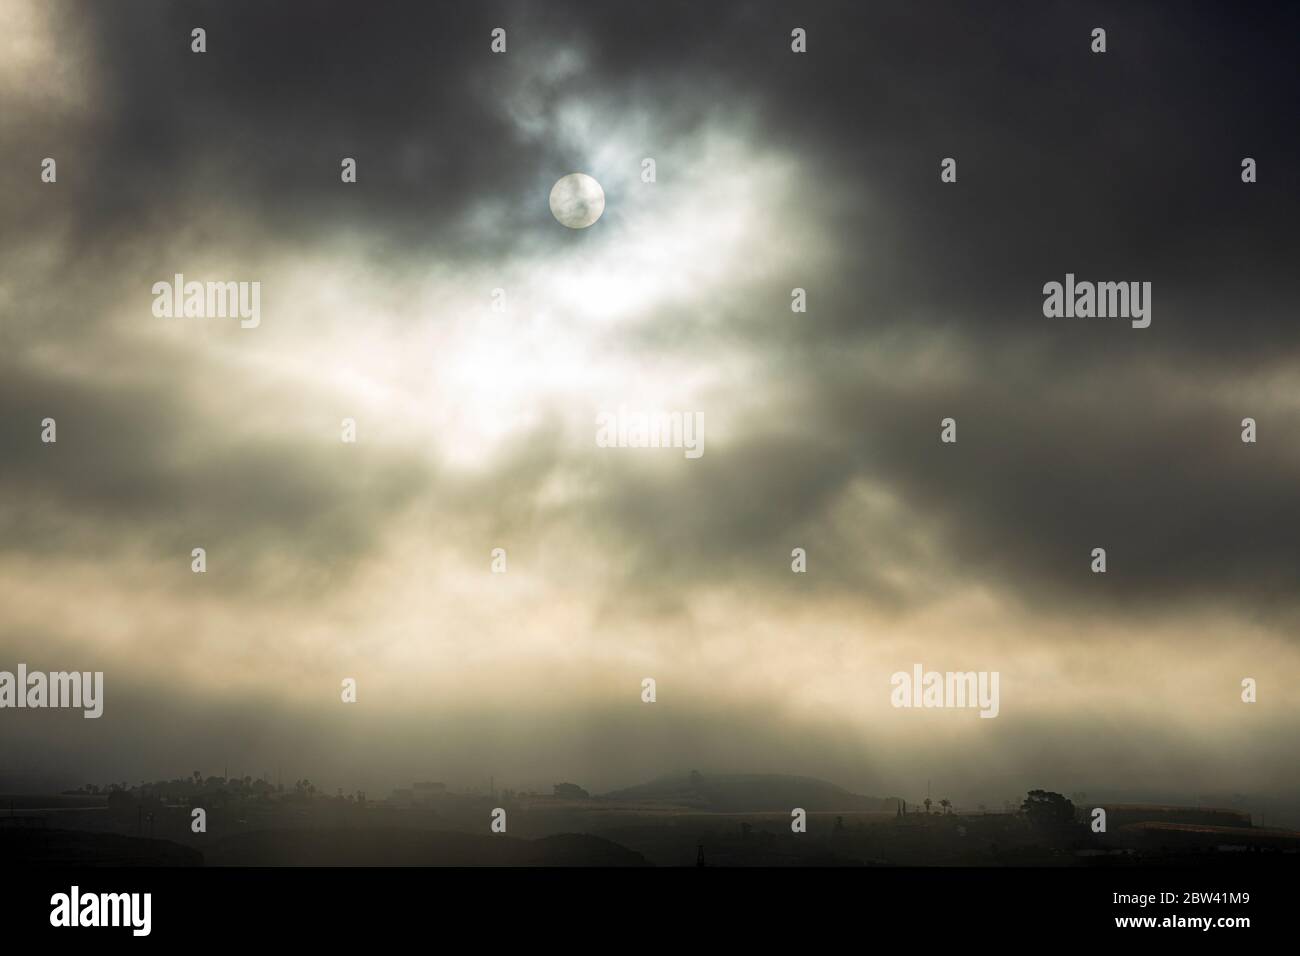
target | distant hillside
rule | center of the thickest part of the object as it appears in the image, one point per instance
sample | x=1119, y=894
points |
x=403, y=847
x=748, y=793
x=42, y=847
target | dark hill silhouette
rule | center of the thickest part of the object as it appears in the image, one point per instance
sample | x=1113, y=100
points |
x=404, y=847
x=748, y=793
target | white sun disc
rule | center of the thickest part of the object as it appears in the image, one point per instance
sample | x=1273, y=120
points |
x=577, y=200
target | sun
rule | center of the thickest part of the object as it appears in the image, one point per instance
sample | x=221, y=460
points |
x=577, y=200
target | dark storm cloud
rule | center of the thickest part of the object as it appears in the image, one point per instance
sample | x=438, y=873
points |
x=1042, y=473
x=141, y=464
x=1114, y=167
x=1117, y=167
x=262, y=120
x=1109, y=166
x=1124, y=165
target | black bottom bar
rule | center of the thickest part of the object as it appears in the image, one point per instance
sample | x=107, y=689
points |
x=564, y=906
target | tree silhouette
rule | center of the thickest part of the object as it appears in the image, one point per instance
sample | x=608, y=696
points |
x=946, y=804
x=1047, y=808
x=927, y=806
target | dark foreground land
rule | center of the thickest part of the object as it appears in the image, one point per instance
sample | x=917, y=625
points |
x=727, y=822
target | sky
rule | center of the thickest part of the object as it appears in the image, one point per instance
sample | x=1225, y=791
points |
x=475, y=410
